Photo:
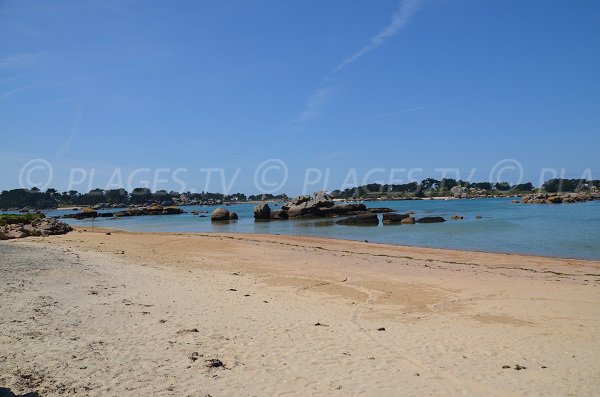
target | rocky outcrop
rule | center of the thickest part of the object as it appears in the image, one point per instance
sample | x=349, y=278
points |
x=38, y=227
x=84, y=214
x=222, y=215
x=320, y=205
x=278, y=215
x=360, y=220
x=380, y=210
x=431, y=219
x=262, y=211
x=394, y=218
x=219, y=214
x=304, y=206
x=151, y=210
x=564, y=198
x=408, y=221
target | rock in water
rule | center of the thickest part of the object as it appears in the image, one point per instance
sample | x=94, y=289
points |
x=360, y=220
x=380, y=210
x=233, y=216
x=555, y=199
x=219, y=214
x=408, y=221
x=279, y=214
x=308, y=205
x=431, y=219
x=262, y=211
x=393, y=218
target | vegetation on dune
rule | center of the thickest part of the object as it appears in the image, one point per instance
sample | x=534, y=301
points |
x=9, y=219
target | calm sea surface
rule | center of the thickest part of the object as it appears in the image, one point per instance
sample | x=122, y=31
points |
x=562, y=230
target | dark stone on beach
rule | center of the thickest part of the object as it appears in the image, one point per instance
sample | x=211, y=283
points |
x=519, y=367
x=214, y=363
x=392, y=218
x=381, y=329
x=506, y=367
x=262, y=211
x=185, y=331
x=219, y=214
x=431, y=219
x=408, y=221
x=6, y=392
x=360, y=220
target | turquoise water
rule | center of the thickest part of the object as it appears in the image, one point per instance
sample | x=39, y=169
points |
x=562, y=230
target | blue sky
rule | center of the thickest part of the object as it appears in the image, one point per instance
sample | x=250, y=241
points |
x=414, y=84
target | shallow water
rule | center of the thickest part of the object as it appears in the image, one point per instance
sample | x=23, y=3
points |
x=562, y=230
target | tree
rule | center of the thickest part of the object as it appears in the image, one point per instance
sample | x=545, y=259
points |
x=140, y=195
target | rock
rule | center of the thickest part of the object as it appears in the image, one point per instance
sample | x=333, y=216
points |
x=233, y=216
x=554, y=200
x=171, y=211
x=85, y=213
x=278, y=214
x=379, y=210
x=153, y=209
x=392, y=218
x=262, y=211
x=456, y=217
x=431, y=219
x=214, y=363
x=339, y=210
x=38, y=227
x=308, y=205
x=51, y=226
x=219, y=214
x=478, y=217
x=408, y=221
x=362, y=220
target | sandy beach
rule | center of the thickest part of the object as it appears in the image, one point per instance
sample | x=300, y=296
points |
x=130, y=314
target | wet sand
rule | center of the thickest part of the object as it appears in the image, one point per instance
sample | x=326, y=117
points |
x=94, y=314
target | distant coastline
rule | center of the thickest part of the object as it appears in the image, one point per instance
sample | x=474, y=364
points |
x=444, y=189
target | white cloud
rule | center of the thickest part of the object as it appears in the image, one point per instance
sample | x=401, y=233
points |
x=19, y=60
x=382, y=116
x=399, y=20
x=314, y=105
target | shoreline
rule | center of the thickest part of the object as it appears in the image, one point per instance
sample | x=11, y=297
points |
x=132, y=313
x=404, y=246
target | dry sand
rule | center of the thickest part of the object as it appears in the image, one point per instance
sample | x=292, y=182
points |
x=131, y=314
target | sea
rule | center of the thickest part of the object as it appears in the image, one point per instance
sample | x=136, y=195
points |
x=555, y=230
